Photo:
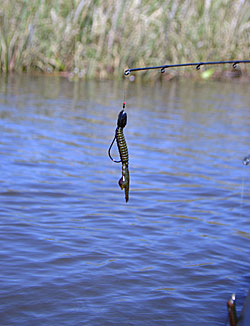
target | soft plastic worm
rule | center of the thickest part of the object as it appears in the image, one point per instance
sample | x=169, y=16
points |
x=123, y=151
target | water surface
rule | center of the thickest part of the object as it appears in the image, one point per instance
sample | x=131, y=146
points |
x=73, y=252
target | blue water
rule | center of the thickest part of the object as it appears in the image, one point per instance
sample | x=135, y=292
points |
x=73, y=252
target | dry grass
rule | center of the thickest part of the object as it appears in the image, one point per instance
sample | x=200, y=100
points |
x=100, y=38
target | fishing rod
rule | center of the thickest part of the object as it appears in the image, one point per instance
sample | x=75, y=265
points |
x=197, y=64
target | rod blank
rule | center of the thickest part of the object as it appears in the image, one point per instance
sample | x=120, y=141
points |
x=197, y=64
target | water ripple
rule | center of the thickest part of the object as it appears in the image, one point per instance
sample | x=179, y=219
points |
x=74, y=253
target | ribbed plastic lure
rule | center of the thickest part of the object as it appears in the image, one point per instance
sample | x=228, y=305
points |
x=123, y=151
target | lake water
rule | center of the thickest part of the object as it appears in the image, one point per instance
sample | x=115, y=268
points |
x=73, y=252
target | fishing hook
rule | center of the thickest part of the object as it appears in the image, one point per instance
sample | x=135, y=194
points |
x=121, y=123
x=109, y=150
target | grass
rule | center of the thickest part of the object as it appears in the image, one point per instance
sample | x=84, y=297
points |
x=101, y=38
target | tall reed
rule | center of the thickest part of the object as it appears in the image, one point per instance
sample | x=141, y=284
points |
x=100, y=38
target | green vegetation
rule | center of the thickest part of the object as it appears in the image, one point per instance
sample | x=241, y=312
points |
x=100, y=38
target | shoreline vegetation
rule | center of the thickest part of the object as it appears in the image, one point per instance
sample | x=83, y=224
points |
x=99, y=39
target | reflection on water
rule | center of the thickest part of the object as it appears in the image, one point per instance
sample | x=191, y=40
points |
x=73, y=252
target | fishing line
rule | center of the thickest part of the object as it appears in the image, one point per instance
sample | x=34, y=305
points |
x=125, y=91
x=232, y=318
x=245, y=161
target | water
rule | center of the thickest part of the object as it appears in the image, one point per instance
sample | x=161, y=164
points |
x=73, y=252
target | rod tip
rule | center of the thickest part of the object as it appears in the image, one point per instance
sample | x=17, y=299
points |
x=127, y=72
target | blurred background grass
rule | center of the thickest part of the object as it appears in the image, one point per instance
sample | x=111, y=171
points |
x=101, y=38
